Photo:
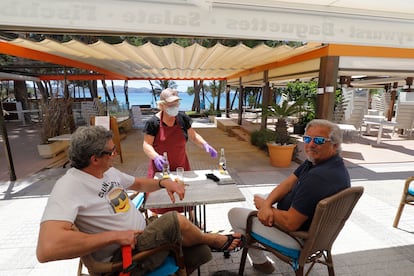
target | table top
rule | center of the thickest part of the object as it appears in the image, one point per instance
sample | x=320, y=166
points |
x=63, y=137
x=374, y=118
x=199, y=191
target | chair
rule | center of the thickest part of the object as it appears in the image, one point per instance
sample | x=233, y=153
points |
x=407, y=198
x=171, y=265
x=330, y=216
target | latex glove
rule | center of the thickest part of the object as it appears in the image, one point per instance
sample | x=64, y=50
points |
x=159, y=162
x=210, y=149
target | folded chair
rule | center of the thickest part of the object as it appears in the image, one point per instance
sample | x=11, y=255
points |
x=407, y=198
x=315, y=244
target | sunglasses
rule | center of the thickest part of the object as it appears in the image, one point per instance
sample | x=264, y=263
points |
x=317, y=140
x=110, y=153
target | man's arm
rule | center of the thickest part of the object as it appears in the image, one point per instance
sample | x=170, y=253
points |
x=281, y=190
x=142, y=184
x=58, y=240
x=290, y=219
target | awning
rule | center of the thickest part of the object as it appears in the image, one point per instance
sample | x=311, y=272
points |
x=125, y=61
x=369, y=22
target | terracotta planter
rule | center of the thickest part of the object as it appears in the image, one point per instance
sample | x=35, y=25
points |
x=280, y=156
x=52, y=149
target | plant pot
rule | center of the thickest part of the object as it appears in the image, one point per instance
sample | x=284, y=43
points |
x=280, y=156
x=52, y=149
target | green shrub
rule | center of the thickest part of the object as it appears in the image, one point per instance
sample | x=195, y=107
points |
x=259, y=138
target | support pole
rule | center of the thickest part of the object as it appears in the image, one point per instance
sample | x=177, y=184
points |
x=7, y=147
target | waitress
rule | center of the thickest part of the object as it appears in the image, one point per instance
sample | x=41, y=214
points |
x=168, y=131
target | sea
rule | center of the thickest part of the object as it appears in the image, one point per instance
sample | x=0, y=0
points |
x=146, y=98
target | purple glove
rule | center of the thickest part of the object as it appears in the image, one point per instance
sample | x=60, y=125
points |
x=210, y=149
x=159, y=162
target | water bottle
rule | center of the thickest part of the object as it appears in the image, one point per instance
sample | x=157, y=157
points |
x=166, y=166
x=222, y=162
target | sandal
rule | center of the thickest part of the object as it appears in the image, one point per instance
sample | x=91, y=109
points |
x=228, y=243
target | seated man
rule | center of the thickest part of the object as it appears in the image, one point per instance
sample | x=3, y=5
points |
x=92, y=195
x=292, y=203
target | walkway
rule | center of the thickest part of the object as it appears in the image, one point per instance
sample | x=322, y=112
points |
x=368, y=244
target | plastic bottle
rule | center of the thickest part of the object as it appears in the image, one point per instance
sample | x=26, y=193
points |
x=166, y=166
x=222, y=162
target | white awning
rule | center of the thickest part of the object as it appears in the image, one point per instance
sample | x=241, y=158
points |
x=369, y=22
x=167, y=62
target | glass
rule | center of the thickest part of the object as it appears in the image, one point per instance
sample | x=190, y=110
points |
x=111, y=152
x=180, y=175
x=317, y=140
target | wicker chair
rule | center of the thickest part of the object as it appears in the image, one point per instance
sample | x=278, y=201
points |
x=407, y=198
x=330, y=216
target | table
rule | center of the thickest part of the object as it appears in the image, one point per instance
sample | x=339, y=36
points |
x=20, y=114
x=346, y=130
x=63, y=137
x=380, y=121
x=199, y=192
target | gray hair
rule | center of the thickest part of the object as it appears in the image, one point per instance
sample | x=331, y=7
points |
x=335, y=134
x=86, y=142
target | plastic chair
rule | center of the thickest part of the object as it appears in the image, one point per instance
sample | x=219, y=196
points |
x=330, y=216
x=407, y=198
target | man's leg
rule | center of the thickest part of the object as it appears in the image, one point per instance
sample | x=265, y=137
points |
x=191, y=235
x=238, y=219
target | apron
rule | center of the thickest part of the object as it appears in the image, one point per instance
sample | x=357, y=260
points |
x=170, y=140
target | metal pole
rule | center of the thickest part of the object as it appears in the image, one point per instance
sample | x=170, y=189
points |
x=7, y=146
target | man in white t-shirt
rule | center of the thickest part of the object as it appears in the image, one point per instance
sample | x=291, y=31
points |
x=92, y=195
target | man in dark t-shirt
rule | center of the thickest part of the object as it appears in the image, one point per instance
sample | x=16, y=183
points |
x=292, y=203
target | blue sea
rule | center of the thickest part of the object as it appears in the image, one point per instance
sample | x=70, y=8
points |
x=185, y=104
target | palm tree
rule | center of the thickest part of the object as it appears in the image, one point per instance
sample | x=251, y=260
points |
x=164, y=84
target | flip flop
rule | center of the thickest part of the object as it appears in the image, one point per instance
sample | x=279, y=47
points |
x=228, y=243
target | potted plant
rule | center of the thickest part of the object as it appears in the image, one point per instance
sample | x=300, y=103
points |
x=55, y=121
x=282, y=149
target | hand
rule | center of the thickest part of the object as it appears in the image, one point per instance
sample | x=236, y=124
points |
x=210, y=149
x=159, y=162
x=265, y=216
x=174, y=187
x=128, y=237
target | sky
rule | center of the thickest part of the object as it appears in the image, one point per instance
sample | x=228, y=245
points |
x=182, y=85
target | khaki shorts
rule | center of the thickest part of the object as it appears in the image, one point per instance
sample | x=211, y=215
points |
x=165, y=229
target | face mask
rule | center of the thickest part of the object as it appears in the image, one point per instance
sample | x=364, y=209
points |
x=172, y=111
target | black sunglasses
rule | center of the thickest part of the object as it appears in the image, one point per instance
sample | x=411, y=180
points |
x=317, y=140
x=110, y=153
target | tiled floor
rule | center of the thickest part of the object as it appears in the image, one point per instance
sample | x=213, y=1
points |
x=368, y=244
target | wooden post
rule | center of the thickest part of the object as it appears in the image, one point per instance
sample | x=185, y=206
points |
x=392, y=102
x=265, y=100
x=328, y=74
x=241, y=97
